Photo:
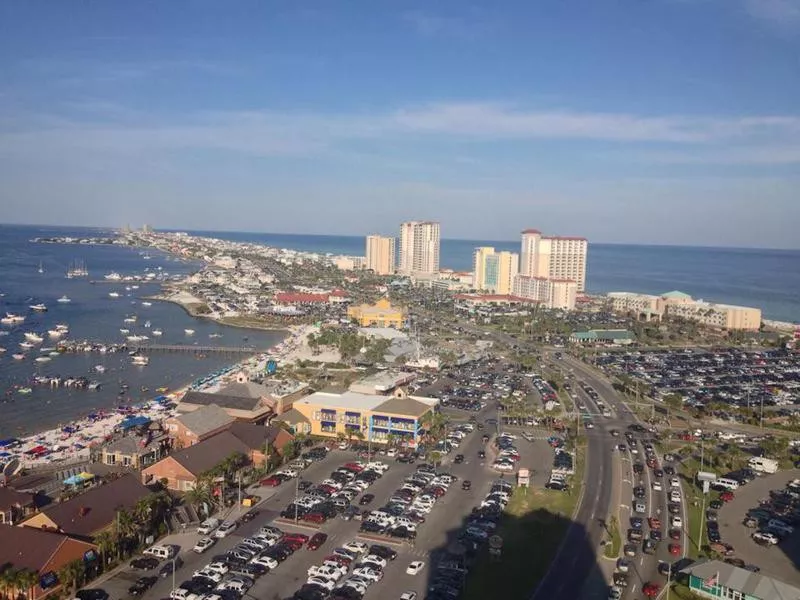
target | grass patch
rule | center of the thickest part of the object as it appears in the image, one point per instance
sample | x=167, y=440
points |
x=532, y=528
x=682, y=592
x=611, y=550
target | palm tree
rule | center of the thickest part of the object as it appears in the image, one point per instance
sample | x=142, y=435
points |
x=27, y=581
x=200, y=495
x=71, y=575
x=125, y=528
x=106, y=545
x=9, y=581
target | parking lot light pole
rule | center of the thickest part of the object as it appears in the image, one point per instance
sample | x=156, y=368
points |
x=296, y=496
x=173, y=571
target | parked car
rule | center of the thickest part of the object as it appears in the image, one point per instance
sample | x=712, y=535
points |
x=316, y=541
x=141, y=585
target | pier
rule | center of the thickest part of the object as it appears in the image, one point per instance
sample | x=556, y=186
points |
x=145, y=348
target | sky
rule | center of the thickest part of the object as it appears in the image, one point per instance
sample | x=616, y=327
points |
x=629, y=121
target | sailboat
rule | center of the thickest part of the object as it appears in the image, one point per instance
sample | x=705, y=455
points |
x=77, y=268
x=41, y=267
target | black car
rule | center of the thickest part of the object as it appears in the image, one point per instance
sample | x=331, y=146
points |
x=669, y=470
x=144, y=563
x=556, y=486
x=636, y=522
x=716, y=504
x=92, y=594
x=663, y=568
x=383, y=551
x=639, y=492
x=249, y=515
x=481, y=454
x=142, y=585
x=658, y=473
x=655, y=535
x=459, y=458
x=366, y=499
x=166, y=569
x=466, y=485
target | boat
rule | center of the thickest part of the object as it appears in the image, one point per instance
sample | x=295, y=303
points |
x=55, y=332
x=100, y=368
x=24, y=390
x=113, y=294
x=94, y=385
x=42, y=359
x=38, y=307
x=140, y=361
x=2, y=349
x=62, y=326
x=25, y=345
x=41, y=267
x=215, y=335
x=189, y=331
x=12, y=318
x=147, y=304
x=18, y=356
x=124, y=331
x=77, y=268
x=129, y=320
x=147, y=324
x=64, y=300
x=113, y=276
x=4, y=333
x=157, y=332
x=33, y=337
x=137, y=338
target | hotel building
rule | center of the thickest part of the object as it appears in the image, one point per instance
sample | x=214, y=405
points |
x=381, y=254
x=494, y=271
x=554, y=257
x=552, y=293
x=648, y=307
x=419, y=248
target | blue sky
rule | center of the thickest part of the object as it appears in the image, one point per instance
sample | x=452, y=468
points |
x=643, y=121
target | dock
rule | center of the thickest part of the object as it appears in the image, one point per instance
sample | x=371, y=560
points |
x=146, y=348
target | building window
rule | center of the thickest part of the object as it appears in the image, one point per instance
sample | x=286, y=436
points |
x=111, y=459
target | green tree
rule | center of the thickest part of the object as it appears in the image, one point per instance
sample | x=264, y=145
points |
x=71, y=575
x=201, y=495
x=9, y=581
x=27, y=581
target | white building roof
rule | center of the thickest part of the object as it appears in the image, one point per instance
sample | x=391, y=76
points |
x=346, y=401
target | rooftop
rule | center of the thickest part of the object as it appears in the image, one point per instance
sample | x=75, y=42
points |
x=748, y=583
x=10, y=497
x=204, y=456
x=205, y=419
x=677, y=295
x=403, y=406
x=346, y=401
x=29, y=548
x=383, y=381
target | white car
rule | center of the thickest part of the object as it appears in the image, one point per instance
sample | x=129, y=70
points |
x=374, y=558
x=208, y=526
x=657, y=486
x=415, y=567
x=325, y=571
x=674, y=496
x=676, y=522
x=675, y=482
x=265, y=561
x=208, y=574
x=217, y=567
x=503, y=466
x=203, y=544
x=322, y=582
x=224, y=529
x=766, y=538
x=356, y=547
x=288, y=472
x=408, y=596
x=368, y=573
x=357, y=585
x=378, y=466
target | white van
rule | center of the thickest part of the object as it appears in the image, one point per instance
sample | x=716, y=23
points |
x=161, y=552
x=765, y=465
x=725, y=484
x=208, y=526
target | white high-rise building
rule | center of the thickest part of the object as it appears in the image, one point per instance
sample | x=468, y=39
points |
x=419, y=248
x=554, y=257
x=380, y=254
x=494, y=271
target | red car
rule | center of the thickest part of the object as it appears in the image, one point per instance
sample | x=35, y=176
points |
x=272, y=481
x=316, y=541
x=726, y=496
x=298, y=537
x=675, y=549
x=654, y=523
x=342, y=560
x=651, y=589
x=354, y=467
x=315, y=517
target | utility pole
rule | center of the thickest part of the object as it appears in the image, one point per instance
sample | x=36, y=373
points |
x=296, y=497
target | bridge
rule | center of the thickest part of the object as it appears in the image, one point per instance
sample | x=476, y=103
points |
x=145, y=348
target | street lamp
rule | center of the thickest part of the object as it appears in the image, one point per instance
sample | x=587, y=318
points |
x=174, y=566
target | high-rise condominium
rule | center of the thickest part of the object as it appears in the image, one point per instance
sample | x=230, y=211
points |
x=494, y=271
x=419, y=248
x=554, y=257
x=380, y=254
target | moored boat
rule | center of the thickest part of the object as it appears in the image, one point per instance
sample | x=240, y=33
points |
x=64, y=300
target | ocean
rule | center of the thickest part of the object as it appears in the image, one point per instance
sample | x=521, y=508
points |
x=93, y=315
x=767, y=279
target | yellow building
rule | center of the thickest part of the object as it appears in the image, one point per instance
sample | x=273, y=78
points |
x=494, y=271
x=381, y=314
x=370, y=417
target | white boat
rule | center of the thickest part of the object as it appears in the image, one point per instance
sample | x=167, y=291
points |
x=147, y=324
x=140, y=361
x=42, y=359
x=33, y=337
x=137, y=338
x=12, y=318
x=38, y=307
x=134, y=287
x=113, y=294
x=129, y=320
x=157, y=332
x=64, y=300
x=189, y=331
x=215, y=335
x=124, y=331
x=4, y=333
x=147, y=304
x=18, y=356
x=94, y=385
x=2, y=349
x=100, y=368
x=55, y=332
x=25, y=345
x=77, y=269
x=113, y=276
x=62, y=326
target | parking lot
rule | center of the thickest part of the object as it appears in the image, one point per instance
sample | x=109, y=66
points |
x=781, y=561
x=446, y=517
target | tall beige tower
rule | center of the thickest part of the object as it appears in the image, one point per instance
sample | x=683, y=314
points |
x=494, y=271
x=555, y=257
x=419, y=248
x=380, y=254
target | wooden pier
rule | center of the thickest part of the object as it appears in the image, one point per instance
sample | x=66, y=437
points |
x=145, y=348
